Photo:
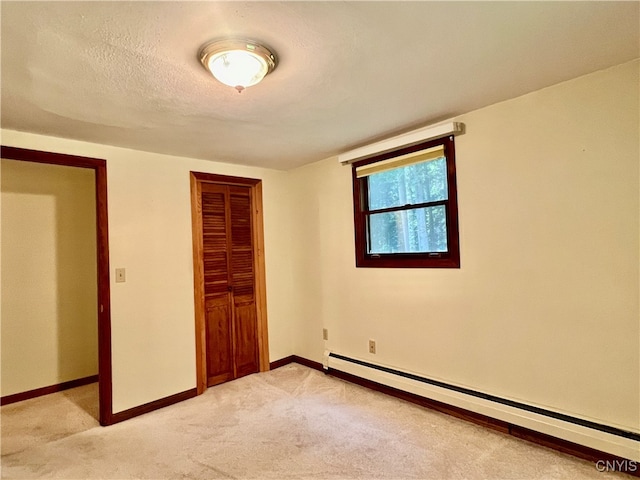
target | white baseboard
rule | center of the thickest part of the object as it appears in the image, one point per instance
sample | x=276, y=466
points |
x=586, y=436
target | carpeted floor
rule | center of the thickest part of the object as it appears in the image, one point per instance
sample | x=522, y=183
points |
x=290, y=423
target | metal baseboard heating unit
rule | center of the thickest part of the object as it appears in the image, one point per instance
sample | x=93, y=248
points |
x=590, y=433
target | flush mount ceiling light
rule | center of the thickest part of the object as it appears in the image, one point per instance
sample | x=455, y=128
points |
x=237, y=63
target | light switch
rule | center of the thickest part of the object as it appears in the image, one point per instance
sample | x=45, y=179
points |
x=120, y=275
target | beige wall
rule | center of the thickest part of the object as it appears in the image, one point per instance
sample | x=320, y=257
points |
x=545, y=306
x=543, y=310
x=49, y=294
x=153, y=333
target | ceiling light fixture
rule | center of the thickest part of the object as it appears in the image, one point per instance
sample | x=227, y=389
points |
x=238, y=63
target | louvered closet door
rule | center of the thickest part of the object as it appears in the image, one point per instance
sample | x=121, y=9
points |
x=243, y=280
x=229, y=282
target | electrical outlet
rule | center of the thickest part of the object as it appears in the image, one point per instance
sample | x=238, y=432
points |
x=325, y=334
x=372, y=346
x=120, y=275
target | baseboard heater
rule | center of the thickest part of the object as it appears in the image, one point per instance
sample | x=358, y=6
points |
x=606, y=438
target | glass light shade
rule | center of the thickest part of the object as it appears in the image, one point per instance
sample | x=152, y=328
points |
x=238, y=68
x=236, y=62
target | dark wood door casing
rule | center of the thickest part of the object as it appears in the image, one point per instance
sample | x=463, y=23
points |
x=102, y=232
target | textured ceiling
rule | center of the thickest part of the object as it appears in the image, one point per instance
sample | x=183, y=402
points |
x=127, y=73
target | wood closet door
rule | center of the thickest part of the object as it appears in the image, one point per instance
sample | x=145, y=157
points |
x=229, y=279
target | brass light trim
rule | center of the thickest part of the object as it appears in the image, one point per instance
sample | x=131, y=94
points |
x=213, y=50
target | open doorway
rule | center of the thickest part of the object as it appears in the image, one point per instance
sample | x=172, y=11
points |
x=101, y=298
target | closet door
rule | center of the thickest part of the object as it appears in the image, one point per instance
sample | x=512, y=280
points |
x=217, y=286
x=243, y=282
x=229, y=282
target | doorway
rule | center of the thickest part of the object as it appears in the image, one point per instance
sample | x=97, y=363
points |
x=103, y=295
x=229, y=278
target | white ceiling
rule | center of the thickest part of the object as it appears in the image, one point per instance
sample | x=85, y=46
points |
x=127, y=73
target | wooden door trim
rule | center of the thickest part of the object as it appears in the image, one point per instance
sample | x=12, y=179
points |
x=99, y=166
x=260, y=279
x=196, y=180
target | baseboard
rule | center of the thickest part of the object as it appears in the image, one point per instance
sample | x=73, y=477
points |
x=179, y=397
x=618, y=447
x=461, y=413
x=296, y=359
x=151, y=406
x=281, y=363
x=39, y=392
x=308, y=363
x=602, y=459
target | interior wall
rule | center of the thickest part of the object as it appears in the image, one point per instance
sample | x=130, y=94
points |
x=544, y=308
x=152, y=313
x=49, y=289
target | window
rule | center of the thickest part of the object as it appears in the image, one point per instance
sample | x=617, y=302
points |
x=406, y=212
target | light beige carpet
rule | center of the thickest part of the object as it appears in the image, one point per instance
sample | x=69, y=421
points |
x=290, y=423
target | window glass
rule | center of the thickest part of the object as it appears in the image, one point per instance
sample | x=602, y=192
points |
x=410, y=185
x=419, y=230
